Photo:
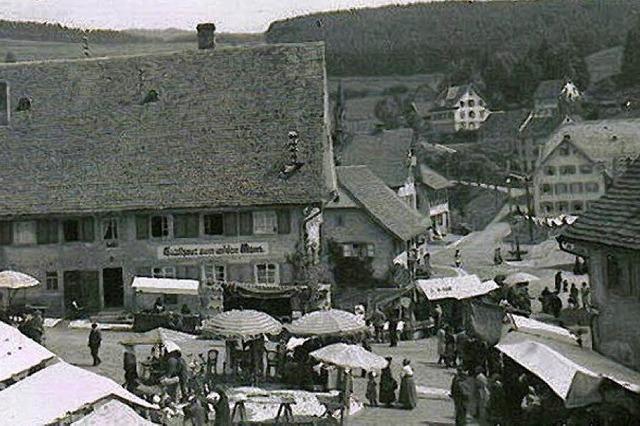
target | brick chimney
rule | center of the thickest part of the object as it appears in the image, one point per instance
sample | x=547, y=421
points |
x=206, y=36
x=4, y=103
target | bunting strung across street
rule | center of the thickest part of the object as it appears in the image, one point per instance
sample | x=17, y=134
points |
x=549, y=222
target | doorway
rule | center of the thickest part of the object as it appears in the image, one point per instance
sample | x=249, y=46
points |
x=83, y=288
x=113, y=287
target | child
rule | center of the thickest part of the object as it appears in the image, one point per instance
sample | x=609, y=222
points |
x=372, y=390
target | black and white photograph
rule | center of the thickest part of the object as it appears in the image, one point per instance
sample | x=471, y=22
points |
x=319, y=212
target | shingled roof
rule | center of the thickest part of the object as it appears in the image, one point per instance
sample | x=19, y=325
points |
x=433, y=179
x=384, y=152
x=450, y=96
x=501, y=127
x=602, y=141
x=216, y=136
x=384, y=205
x=614, y=219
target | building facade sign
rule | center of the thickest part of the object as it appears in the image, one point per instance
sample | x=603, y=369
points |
x=192, y=251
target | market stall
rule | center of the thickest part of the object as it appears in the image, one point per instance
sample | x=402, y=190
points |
x=327, y=323
x=57, y=393
x=20, y=354
x=13, y=283
x=113, y=413
x=166, y=302
x=448, y=292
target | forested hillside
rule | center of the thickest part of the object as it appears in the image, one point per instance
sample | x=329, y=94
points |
x=36, y=31
x=446, y=36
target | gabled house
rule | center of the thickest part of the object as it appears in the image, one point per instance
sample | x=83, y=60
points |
x=532, y=135
x=579, y=162
x=369, y=220
x=197, y=164
x=608, y=236
x=548, y=96
x=458, y=108
x=389, y=154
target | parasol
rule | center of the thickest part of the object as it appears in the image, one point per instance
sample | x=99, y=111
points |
x=331, y=322
x=520, y=277
x=14, y=281
x=244, y=324
x=349, y=356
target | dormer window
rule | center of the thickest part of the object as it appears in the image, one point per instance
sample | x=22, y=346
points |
x=24, y=104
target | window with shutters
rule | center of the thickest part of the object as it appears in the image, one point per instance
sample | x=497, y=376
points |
x=51, y=281
x=186, y=225
x=213, y=224
x=189, y=272
x=561, y=188
x=591, y=187
x=213, y=272
x=78, y=229
x=265, y=222
x=47, y=231
x=109, y=229
x=267, y=273
x=6, y=233
x=163, y=272
x=362, y=250
x=159, y=226
x=24, y=232
x=576, y=188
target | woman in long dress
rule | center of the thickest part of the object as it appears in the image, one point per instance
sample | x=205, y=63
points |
x=408, y=396
x=388, y=385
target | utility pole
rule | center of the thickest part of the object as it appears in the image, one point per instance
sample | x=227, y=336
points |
x=527, y=180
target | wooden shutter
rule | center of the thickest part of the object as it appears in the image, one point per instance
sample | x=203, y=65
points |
x=142, y=227
x=284, y=221
x=6, y=233
x=246, y=223
x=230, y=224
x=87, y=231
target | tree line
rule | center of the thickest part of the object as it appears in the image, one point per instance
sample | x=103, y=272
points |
x=37, y=31
x=446, y=36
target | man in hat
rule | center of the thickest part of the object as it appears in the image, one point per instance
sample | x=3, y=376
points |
x=177, y=367
x=388, y=385
x=130, y=365
x=95, y=340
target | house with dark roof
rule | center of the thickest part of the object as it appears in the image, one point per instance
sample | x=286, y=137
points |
x=549, y=93
x=458, y=108
x=608, y=236
x=389, y=154
x=197, y=164
x=369, y=220
x=532, y=134
x=500, y=130
x=579, y=162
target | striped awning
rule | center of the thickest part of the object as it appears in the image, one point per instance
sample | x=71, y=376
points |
x=243, y=324
x=331, y=322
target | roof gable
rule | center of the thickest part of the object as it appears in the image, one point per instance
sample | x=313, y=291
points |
x=216, y=136
x=384, y=205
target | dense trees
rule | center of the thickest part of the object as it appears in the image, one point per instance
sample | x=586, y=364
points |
x=60, y=33
x=630, y=72
x=425, y=38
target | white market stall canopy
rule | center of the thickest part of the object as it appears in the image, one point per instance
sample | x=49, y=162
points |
x=17, y=280
x=55, y=392
x=113, y=413
x=166, y=286
x=541, y=329
x=572, y=372
x=459, y=288
x=18, y=353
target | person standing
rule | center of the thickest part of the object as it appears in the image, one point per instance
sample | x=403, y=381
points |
x=496, y=404
x=450, y=348
x=558, y=281
x=393, y=328
x=585, y=295
x=95, y=340
x=458, y=259
x=408, y=396
x=130, y=368
x=459, y=397
x=573, y=296
x=482, y=389
x=388, y=385
x=221, y=407
x=378, y=319
x=442, y=347
x=565, y=286
x=437, y=316
x=372, y=389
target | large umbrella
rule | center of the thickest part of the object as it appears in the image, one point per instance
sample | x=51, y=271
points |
x=14, y=281
x=349, y=356
x=331, y=322
x=520, y=277
x=243, y=324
